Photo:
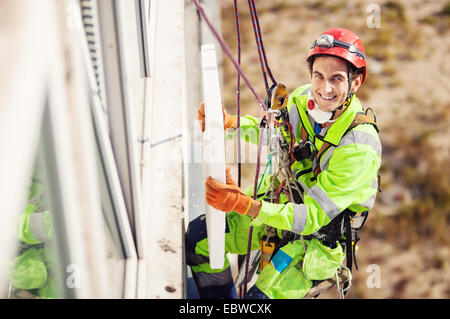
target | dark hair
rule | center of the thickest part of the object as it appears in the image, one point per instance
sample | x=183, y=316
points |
x=353, y=70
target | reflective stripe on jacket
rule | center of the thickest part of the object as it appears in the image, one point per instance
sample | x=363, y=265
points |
x=34, y=227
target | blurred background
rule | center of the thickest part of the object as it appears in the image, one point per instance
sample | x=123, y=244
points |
x=405, y=241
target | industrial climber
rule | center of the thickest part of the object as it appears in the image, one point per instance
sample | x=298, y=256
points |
x=337, y=158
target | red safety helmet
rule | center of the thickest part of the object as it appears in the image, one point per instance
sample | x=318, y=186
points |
x=342, y=43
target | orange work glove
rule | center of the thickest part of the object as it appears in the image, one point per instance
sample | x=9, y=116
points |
x=227, y=197
x=228, y=120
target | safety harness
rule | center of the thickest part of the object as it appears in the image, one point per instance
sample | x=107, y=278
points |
x=344, y=228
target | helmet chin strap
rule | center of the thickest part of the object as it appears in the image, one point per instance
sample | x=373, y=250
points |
x=349, y=93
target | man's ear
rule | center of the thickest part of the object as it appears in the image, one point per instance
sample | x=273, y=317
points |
x=356, y=83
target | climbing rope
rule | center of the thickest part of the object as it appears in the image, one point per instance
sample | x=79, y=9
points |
x=227, y=51
x=266, y=112
x=238, y=93
x=260, y=45
x=238, y=107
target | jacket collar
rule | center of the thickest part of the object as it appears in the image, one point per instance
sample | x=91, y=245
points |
x=338, y=128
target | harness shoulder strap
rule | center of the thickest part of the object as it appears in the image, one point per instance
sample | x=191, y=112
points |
x=362, y=118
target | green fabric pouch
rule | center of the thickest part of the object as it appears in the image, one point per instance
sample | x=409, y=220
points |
x=29, y=270
x=292, y=284
x=283, y=277
x=321, y=262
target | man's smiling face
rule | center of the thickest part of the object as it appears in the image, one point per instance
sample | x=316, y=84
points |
x=329, y=81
